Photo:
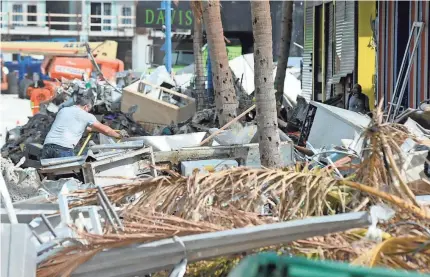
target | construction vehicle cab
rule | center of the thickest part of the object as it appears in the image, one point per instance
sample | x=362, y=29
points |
x=68, y=60
x=4, y=86
x=72, y=68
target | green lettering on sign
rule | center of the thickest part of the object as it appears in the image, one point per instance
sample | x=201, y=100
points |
x=180, y=17
x=160, y=19
x=149, y=14
x=189, y=20
x=173, y=16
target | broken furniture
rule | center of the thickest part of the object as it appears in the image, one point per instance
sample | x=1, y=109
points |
x=188, y=168
x=126, y=165
x=157, y=111
x=105, y=168
x=172, y=142
x=328, y=125
x=246, y=155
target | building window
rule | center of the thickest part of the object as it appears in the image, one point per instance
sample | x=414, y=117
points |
x=126, y=11
x=17, y=18
x=32, y=9
x=107, y=10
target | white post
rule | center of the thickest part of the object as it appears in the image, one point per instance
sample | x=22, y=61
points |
x=85, y=27
x=7, y=202
x=141, y=49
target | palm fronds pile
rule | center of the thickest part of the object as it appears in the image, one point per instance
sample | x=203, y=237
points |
x=167, y=206
x=291, y=193
x=383, y=157
x=142, y=226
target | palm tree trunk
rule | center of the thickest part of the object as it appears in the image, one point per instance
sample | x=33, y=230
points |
x=284, y=52
x=198, y=63
x=264, y=91
x=225, y=94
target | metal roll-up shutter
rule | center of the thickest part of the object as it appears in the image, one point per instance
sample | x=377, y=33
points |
x=338, y=36
x=329, y=71
x=347, y=63
x=344, y=54
x=307, y=74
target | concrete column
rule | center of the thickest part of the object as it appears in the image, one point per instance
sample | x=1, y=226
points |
x=115, y=12
x=85, y=12
x=41, y=10
x=6, y=7
x=140, y=52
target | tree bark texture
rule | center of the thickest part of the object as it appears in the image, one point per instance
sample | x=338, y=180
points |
x=198, y=63
x=225, y=94
x=284, y=51
x=264, y=90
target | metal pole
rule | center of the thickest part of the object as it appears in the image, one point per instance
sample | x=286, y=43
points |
x=109, y=205
x=167, y=6
x=408, y=70
x=393, y=98
x=163, y=254
x=106, y=210
x=396, y=102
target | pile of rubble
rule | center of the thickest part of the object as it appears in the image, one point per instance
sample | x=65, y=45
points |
x=128, y=196
x=178, y=175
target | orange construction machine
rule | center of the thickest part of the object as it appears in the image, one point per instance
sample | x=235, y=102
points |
x=4, y=85
x=68, y=60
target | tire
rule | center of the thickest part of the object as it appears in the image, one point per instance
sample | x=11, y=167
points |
x=12, y=81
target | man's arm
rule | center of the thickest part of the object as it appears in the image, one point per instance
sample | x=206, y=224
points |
x=105, y=130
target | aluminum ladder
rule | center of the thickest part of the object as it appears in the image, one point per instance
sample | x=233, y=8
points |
x=398, y=92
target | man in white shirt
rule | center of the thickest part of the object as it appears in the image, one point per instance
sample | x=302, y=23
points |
x=69, y=126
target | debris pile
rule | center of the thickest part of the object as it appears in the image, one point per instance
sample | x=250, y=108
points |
x=349, y=182
x=21, y=183
x=34, y=132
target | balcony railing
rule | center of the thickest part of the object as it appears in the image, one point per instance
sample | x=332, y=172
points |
x=56, y=24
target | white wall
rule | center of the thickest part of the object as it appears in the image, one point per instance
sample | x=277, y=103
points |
x=7, y=6
x=140, y=52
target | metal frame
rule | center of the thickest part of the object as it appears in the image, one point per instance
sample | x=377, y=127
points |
x=403, y=77
x=164, y=254
x=246, y=154
x=91, y=170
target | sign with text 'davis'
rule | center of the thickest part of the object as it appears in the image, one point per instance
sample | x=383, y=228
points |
x=150, y=15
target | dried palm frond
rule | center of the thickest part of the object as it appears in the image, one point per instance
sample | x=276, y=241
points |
x=149, y=227
x=419, y=211
x=140, y=227
x=291, y=193
x=411, y=253
x=383, y=158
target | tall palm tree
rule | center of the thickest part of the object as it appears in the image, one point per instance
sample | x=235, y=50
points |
x=267, y=123
x=198, y=62
x=284, y=51
x=225, y=94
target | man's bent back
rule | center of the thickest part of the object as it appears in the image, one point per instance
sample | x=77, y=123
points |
x=68, y=128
